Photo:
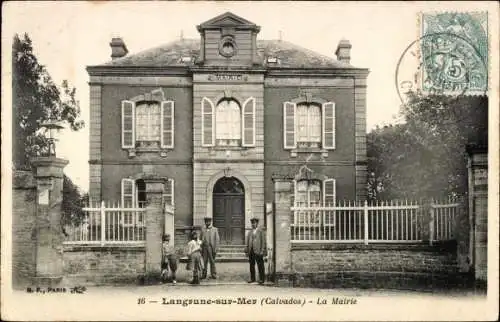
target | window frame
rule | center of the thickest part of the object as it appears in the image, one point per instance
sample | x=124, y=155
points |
x=161, y=146
x=324, y=105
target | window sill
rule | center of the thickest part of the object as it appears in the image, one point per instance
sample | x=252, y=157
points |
x=294, y=152
x=133, y=152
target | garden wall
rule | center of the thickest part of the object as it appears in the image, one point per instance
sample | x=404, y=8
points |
x=96, y=265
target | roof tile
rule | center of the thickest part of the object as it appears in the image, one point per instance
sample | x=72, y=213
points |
x=289, y=55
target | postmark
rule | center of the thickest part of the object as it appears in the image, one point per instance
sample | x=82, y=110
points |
x=454, y=53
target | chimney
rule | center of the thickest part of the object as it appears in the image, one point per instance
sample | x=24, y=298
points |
x=118, y=48
x=343, y=51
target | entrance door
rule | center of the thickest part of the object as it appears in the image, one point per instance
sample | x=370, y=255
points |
x=229, y=210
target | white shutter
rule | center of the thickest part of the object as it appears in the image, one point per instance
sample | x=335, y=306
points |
x=248, y=123
x=128, y=193
x=167, y=124
x=207, y=122
x=329, y=192
x=289, y=124
x=168, y=192
x=329, y=125
x=128, y=124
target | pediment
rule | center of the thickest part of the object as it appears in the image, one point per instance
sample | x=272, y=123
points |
x=227, y=19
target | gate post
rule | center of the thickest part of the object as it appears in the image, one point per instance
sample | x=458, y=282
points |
x=282, y=221
x=154, y=228
x=48, y=231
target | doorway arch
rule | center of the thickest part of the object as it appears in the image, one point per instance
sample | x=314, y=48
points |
x=228, y=210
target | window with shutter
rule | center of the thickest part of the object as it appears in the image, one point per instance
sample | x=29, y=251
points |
x=248, y=122
x=289, y=120
x=207, y=122
x=167, y=124
x=128, y=124
x=329, y=125
x=329, y=192
x=168, y=192
x=128, y=193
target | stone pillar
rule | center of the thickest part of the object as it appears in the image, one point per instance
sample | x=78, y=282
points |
x=282, y=221
x=478, y=195
x=48, y=231
x=154, y=227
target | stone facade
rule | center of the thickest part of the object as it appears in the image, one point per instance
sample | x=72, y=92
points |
x=229, y=62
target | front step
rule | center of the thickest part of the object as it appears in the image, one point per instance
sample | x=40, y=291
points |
x=231, y=253
x=228, y=254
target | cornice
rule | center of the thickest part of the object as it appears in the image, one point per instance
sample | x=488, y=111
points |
x=317, y=72
x=104, y=70
x=110, y=70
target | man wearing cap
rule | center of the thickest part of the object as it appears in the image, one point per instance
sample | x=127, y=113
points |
x=256, y=249
x=209, y=245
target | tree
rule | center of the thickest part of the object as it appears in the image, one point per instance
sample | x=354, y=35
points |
x=37, y=99
x=425, y=157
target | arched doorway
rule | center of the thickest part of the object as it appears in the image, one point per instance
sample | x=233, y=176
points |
x=229, y=210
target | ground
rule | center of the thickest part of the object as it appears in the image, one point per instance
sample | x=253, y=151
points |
x=248, y=302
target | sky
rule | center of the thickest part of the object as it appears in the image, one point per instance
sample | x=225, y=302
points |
x=68, y=36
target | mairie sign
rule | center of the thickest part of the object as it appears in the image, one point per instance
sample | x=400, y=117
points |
x=227, y=77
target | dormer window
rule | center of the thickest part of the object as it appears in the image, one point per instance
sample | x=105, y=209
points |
x=272, y=60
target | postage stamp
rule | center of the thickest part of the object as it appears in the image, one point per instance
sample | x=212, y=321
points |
x=454, y=53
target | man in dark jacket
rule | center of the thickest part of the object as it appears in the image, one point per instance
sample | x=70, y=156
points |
x=256, y=249
x=209, y=245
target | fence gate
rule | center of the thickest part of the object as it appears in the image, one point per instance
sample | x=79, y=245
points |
x=270, y=238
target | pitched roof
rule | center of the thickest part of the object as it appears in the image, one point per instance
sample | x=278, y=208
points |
x=289, y=55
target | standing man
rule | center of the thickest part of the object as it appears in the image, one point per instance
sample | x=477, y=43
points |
x=255, y=249
x=209, y=246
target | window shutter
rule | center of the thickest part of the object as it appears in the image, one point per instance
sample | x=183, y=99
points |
x=167, y=124
x=128, y=193
x=329, y=192
x=128, y=124
x=207, y=122
x=168, y=192
x=329, y=125
x=248, y=122
x=293, y=192
x=289, y=120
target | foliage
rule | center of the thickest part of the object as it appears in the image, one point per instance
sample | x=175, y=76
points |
x=37, y=99
x=425, y=157
x=72, y=203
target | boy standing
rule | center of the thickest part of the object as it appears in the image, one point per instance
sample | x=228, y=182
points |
x=194, y=254
x=168, y=259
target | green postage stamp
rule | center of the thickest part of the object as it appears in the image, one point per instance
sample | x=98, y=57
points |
x=454, y=53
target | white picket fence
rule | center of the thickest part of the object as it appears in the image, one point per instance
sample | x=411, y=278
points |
x=380, y=222
x=110, y=223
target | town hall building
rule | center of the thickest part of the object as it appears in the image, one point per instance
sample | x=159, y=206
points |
x=217, y=117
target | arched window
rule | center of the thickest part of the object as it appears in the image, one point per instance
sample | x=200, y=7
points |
x=228, y=122
x=308, y=125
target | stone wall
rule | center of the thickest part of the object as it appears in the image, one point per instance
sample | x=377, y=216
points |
x=375, y=266
x=94, y=265
x=23, y=224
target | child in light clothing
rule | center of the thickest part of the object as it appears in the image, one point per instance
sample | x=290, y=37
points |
x=194, y=254
x=168, y=260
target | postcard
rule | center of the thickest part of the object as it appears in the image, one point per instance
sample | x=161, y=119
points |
x=249, y=161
